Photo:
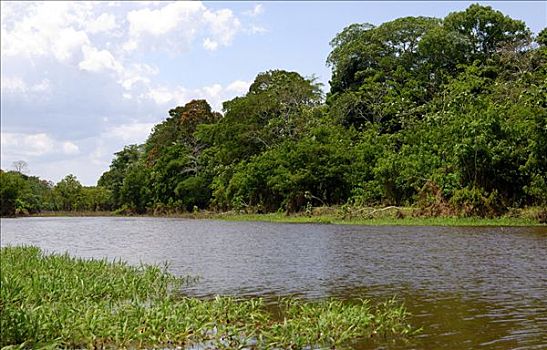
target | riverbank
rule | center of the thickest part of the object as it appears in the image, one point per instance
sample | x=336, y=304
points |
x=58, y=301
x=386, y=216
x=385, y=221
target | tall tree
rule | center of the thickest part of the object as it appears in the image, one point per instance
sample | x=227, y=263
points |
x=69, y=192
x=20, y=166
x=488, y=30
x=114, y=177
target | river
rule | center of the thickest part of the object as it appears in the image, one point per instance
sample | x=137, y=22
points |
x=468, y=287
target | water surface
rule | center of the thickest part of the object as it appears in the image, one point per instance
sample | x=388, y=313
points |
x=472, y=287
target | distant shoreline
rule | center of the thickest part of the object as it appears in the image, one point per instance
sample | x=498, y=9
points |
x=379, y=217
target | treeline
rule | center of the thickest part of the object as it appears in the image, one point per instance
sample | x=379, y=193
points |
x=21, y=194
x=447, y=115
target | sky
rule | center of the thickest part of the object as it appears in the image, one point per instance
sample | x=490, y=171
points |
x=80, y=80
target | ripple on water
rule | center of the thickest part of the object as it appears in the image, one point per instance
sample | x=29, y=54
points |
x=472, y=287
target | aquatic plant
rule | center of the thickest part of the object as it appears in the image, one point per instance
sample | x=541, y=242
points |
x=59, y=301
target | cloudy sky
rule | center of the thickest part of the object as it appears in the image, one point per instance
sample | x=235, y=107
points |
x=80, y=80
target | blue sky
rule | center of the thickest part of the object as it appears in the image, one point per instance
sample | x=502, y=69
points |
x=81, y=80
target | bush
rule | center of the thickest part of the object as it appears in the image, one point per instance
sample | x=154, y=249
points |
x=476, y=202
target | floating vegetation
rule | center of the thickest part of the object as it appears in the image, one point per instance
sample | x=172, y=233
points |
x=58, y=301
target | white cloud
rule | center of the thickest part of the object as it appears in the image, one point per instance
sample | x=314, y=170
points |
x=98, y=60
x=179, y=18
x=16, y=85
x=258, y=9
x=42, y=29
x=26, y=145
x=13, y=85
x=239, y=87
x=153, y=3
x=174, y=26
x=104, y=23
x=254, y=29
x=6, y=11
x=74, y=92
x=137, y=73
x=67, y=42
x=214, y=94
x=70, y=148
x=99, y=154
x=42, y=86
x=213, y=90
x=130, y=133
x=209, y=44
x=130, y=45
x=223, y=25
x=160, y=95
x=35, y=145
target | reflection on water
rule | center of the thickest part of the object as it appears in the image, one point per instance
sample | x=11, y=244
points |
x=467, y=287
x=455, y=321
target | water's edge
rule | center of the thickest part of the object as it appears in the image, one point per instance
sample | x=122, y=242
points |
x=455, y=280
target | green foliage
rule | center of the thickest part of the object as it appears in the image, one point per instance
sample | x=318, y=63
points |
x=179, y=129
x=541, y=38
x=316, y=169
x=113, y=179
x=448, y=114
x=194, y=192
x=474, y=202
x=95, y=198
x=22, y=194
x=10, y=187
x=445, y=114
x=379, y=73
x=487, y=30
x=57, y=301
x=272, y=111
x=385, y=74
x=69, y=192
x=135, y=191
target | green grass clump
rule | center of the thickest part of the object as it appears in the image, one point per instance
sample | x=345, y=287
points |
x=334, y=323
x=386, y=220
x=58, y=301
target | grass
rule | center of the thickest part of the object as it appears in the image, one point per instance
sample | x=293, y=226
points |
x=58, y=301
x=76, y=213
x=388, y=216
x=383, y=220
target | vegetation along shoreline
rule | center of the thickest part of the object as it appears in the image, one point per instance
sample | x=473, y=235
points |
x=385, y=216
x=446, y=116
x=76, y=303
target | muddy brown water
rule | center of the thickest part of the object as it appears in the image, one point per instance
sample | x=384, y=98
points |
x=467, y=287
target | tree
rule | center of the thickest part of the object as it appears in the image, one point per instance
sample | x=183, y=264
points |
x=270, y=112
x=378, y=73
x=313, y=170
x=20, y=166
x=95, y=198
x=174, y=157
x=278, y=107
x=135, y=190
x=114, y=177
x=11, y=184
x=447, y=114
x=487, y=30
x=179, y=128
x=541, y=38
x=69, y=192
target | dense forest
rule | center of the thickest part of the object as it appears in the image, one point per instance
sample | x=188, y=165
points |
x=446, y=115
